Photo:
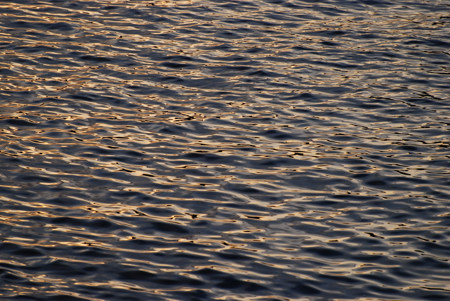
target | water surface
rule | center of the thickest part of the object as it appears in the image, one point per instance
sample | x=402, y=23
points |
x=224, y=150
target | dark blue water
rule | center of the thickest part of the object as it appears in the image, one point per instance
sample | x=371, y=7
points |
x=224, y=150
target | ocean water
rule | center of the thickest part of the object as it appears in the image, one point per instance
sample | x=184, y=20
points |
x=224, y=150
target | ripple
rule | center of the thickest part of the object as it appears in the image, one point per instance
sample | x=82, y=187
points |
x=202, y=150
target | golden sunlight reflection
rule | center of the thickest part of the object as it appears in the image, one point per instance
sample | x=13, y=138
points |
x=199, y=150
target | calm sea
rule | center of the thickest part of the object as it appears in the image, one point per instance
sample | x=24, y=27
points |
x=224, y=150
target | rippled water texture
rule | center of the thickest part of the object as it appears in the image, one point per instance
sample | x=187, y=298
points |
x=224, y=150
